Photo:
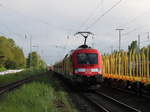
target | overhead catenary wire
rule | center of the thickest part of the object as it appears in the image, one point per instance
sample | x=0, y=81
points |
x=144, y=43
x=1, y=33
x=102, y=15
x=143, y=40
x=127, y=40
x=91, y=15
x=136, y=29
x=10, y=31
x=38, y=19
x=133, y=20
x=126, y=24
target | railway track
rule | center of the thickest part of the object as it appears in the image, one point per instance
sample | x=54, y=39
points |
x=133, y=93
x=94, y=103
x=14, y=85
x=105, y=103
x=99, y=101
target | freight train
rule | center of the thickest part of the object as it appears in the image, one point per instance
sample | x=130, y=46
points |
x=128, y=70
x=119, y=70
x=82, y=65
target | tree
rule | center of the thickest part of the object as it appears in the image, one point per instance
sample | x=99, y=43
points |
x=34, y=60
x=13, y=55
x=133, y=46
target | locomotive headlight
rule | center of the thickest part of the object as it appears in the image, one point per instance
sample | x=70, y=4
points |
x=95, y=70
x=80, y=70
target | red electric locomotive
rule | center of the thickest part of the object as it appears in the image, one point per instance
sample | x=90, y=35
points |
x=83, y=64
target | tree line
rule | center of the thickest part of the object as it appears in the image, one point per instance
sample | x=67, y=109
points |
x=12, y=56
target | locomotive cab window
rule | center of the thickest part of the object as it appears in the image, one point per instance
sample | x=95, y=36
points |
x=87, y=58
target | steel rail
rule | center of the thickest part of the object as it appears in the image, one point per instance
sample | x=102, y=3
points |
x=102, y=108
x=132, y=93
x=116, y=101
x=14, y=85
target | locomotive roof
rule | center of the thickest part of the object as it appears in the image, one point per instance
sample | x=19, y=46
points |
x=82, y=47
x=79, y=49
x=85, y=49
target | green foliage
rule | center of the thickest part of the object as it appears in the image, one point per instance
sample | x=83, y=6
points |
x=9, y=78
x=133, y=46
x=38, y=96
x=34, y=60
x=35, y=97
x=13, y=56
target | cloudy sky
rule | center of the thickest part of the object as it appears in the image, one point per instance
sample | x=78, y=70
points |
x=50, y=22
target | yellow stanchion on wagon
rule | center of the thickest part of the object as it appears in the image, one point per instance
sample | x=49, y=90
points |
x=130, y=66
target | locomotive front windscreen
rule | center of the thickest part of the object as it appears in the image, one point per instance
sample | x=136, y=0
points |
x=87, y=58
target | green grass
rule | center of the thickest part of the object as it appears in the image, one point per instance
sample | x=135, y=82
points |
x=43, y=95
x=9, y=78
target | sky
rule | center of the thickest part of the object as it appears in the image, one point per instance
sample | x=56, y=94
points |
x=51, y=24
